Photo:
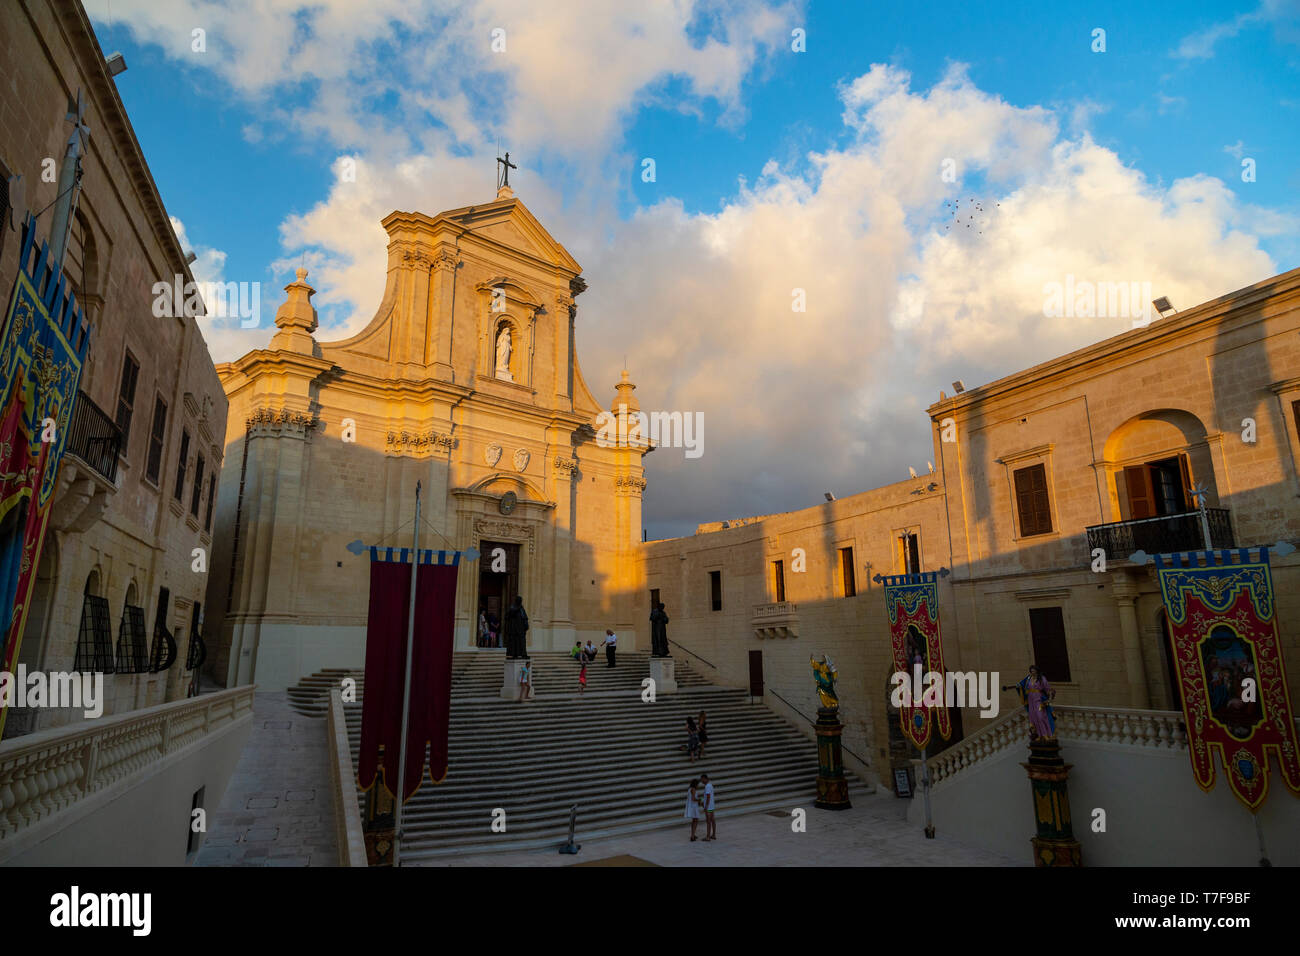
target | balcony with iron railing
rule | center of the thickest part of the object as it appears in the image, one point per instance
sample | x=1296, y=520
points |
x=94, y=437
x=1163, y=534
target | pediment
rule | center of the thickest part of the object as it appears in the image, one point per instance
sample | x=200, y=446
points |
x=508, y=222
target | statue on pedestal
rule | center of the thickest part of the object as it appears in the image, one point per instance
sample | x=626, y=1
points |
x=824, y=673
x=503, y=354
x=1036, y=695
x=658, y=631
x=516, y=630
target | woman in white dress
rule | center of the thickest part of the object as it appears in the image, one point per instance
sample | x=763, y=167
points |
x=693, y=807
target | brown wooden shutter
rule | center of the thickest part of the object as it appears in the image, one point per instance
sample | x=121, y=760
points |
x=778, y=569
x=1186, y=474
x=1141, y=498
x=1031, y=500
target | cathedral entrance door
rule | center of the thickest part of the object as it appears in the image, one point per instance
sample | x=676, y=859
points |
x=498, y=583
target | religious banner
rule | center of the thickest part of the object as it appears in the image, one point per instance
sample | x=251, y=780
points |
x=42, y=348
x=1224, y=637
x=429, y=715
x=912, y=601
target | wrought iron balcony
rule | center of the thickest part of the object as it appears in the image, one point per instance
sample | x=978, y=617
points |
x=94, y=437
x=1161, y=535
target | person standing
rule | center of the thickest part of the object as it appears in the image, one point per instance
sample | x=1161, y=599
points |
x=692, y=739
x=710, y=825
x=525, y=681
x=702, y=730
x=482, y=627
x=517, y=629
x=611, y=645
x=693, y=807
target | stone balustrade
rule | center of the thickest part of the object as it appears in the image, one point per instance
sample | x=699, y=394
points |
x=46, y=773
x=1158, y=729
x=343, y=778
x=775, y=620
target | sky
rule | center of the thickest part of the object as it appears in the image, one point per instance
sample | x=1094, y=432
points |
x=798, y=221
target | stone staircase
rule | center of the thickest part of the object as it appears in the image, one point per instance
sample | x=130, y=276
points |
x=477, y=674
x=620, y=759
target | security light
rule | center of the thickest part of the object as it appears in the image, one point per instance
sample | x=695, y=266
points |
x=1162, y=305
x=116, y=64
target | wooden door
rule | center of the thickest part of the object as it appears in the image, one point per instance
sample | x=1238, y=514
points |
x=755, y=673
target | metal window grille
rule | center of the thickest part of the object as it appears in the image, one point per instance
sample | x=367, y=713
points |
x=132, y=648
x=95, y=641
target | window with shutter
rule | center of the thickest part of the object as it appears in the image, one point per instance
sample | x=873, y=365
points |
x=1031, y=500
x=179, y=493
x=778, y=578
x=157, y=433
x=126, y=396
x=846, y=572
x=197, y=495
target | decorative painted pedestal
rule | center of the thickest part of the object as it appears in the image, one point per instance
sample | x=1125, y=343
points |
x=378, y=826
x=1055, y=844
x=832, y=788
x=662, y=673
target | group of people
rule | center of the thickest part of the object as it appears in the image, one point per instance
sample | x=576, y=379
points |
x=697, y=735
x=585, y=655
x=701, y=802
x=489, y=628
x=515, y=632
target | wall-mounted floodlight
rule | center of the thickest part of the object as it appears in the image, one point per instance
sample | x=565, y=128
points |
x=829, y=496
x=190, y=257
x=116, y=64
x=959, y=386
x=1163, y=305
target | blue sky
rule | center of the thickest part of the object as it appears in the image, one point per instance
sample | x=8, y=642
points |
x=243, y=141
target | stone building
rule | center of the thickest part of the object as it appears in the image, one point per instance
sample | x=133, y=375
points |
x=467, y=381
x=1091, y=453
x=146, y=441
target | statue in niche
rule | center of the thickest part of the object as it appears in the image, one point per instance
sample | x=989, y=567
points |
x=503, y=353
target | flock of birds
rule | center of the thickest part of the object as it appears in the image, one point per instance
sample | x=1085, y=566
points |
x=973, y=207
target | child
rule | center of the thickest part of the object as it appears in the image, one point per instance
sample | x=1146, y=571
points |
x=525, y=687
x=693, y=808
x=582, y=677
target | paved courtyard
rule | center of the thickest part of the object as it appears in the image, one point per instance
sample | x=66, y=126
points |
x=278, y=809
x=874, y=832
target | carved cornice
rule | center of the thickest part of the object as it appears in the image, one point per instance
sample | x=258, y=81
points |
x=420, y=442
x=281, y=421
x=629, y=485
x=506, y=530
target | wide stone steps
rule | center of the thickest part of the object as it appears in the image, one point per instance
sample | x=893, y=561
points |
x=477, y=674
x=620, y=759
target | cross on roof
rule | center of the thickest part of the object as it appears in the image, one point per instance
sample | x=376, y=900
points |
x=506, y=166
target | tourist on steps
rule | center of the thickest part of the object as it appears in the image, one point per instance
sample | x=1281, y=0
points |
x=692, y=739
x=610, y=644
x=693, y=808
x=582, y=677
x=710, y=825
x=576, y=653
x=525, y=681
x=590, y=651
x=704, y=734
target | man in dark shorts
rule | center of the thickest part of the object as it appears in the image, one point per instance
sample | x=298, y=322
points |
x=706, y=802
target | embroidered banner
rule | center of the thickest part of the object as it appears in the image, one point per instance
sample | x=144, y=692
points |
x=42, y=348
x=912, y=602
x=1223, y=631
x=429, y=715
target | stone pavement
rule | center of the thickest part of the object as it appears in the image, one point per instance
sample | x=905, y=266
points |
x=874, y=832
x=278, y=809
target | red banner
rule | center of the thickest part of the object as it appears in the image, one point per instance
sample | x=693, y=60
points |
x=1223, y=631
x=912, y=601
x=429, y=714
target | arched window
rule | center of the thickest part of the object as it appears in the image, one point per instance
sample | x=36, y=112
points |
x=95, y=640
x=132, y=646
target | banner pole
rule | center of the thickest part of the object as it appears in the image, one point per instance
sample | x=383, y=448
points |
x=925, y=791
x=406, y=689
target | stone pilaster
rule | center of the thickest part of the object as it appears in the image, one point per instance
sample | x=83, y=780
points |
x=442, y=314
x=1125, y=592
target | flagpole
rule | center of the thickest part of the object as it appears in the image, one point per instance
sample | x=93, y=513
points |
x=406, y=688
x=925, y=791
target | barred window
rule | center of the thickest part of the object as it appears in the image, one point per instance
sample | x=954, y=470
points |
x=95, y=641
x=163, y=652
x=132, y=646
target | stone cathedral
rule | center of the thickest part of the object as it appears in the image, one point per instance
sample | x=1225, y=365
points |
x=466, y=380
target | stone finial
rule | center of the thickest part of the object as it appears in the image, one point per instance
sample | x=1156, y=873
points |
x=624, y=395
x=505, y=192
x=296, y=318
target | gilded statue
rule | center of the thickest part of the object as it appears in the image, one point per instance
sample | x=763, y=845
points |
x=824, y=673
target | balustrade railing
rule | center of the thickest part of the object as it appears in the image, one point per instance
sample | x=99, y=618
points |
x=1162, y=535
x=94, y=437
x=45, y=773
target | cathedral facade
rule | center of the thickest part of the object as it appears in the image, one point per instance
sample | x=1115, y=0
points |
x=467, y=382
